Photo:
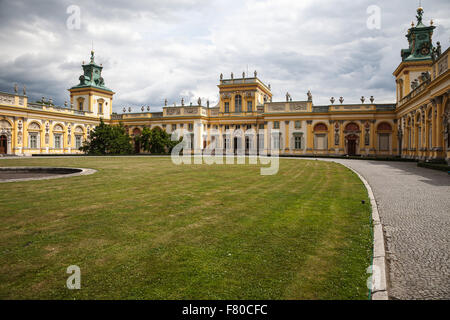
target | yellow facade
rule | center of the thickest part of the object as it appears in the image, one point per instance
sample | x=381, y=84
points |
x=416, y=126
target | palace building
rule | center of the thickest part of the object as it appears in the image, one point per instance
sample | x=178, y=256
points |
x=417, y=126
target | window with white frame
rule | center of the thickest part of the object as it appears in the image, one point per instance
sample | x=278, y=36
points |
x=298, y=142
x=34, y=143
x=238, y=103
x=298, y=124
x=249, y=106
x=57, y=138
x=78, y=140
x=276, y=124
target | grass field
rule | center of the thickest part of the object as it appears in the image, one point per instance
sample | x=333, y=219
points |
x=143, y=228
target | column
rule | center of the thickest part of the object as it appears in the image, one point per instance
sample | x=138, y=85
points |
x=394, y=138
x=439, y=128
x=433, y=125
x=309, y=137
x=287, y=145
x=372, y=136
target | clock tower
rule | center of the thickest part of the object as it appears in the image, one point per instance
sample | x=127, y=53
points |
x=417, y=59
x=91, y=96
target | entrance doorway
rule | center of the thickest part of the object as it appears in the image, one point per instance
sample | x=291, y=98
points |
x=3, y=144
x=351, y=145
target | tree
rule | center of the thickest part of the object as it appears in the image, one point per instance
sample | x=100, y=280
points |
x=156, y=140
x=107, y=139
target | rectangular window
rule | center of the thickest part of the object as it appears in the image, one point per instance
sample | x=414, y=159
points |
x=320, y=142
x=298, y=142
x=276, y=125
x=33, y=140
x=298, y=124
x=384, y=141
x=57, y=141
x=261, y=126
x=174, y=127
x=100, y=108
x=261, y=141
x=249, y=106
x=190, y=126
x=227, y=107
x=276, y=141
x=77, y=142
x=80, y=106
x=227, y=127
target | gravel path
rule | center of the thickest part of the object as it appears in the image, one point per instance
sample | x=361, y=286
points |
x=414, y=208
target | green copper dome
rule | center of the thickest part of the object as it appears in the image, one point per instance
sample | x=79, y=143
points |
x=92, y=76
x=420, y=40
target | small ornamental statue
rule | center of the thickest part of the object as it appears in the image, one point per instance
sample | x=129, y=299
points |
x=182, y=101
x=199, y=101
x=24, y=90
x=221, y=76
x=129, y=109
x=243, y=75
x=232, y=76
x=142, y=108
x=363, y=99
x=341, y=100
x=16, y=88
x=309, y=94
x=165, y=102
x=372, y=99
x=148, y=108
x=124, y=109
x=332, y=100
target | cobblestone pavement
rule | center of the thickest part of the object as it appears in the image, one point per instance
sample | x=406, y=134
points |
x=414, y=208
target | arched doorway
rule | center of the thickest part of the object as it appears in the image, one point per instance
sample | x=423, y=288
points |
x=352, y=132
x=3, y=144
x=137, y=143
x=351, y=144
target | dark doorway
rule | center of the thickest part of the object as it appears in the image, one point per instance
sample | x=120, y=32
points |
x=235, y=145
x=351, y=145
x=3, y=145
x=137, y=147
x=247, y=145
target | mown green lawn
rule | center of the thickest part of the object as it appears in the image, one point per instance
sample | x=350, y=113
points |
x=144, y=228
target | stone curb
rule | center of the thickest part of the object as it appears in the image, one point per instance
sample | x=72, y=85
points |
x=83, y=172
x=379, y=252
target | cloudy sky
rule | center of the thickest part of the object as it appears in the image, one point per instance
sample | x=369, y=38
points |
x=157, y=49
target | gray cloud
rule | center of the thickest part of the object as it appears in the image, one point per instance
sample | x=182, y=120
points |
x=152, y=50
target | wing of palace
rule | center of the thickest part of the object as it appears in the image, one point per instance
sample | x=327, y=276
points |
x=416, y=126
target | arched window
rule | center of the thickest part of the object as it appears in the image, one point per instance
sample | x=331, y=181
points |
x=34, y=135
x=384, y=126
x=352, y=127
x=238, y=103
x=320, y=127
x=136, y=132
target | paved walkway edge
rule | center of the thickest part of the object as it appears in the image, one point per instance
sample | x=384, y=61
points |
x=379, y=254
